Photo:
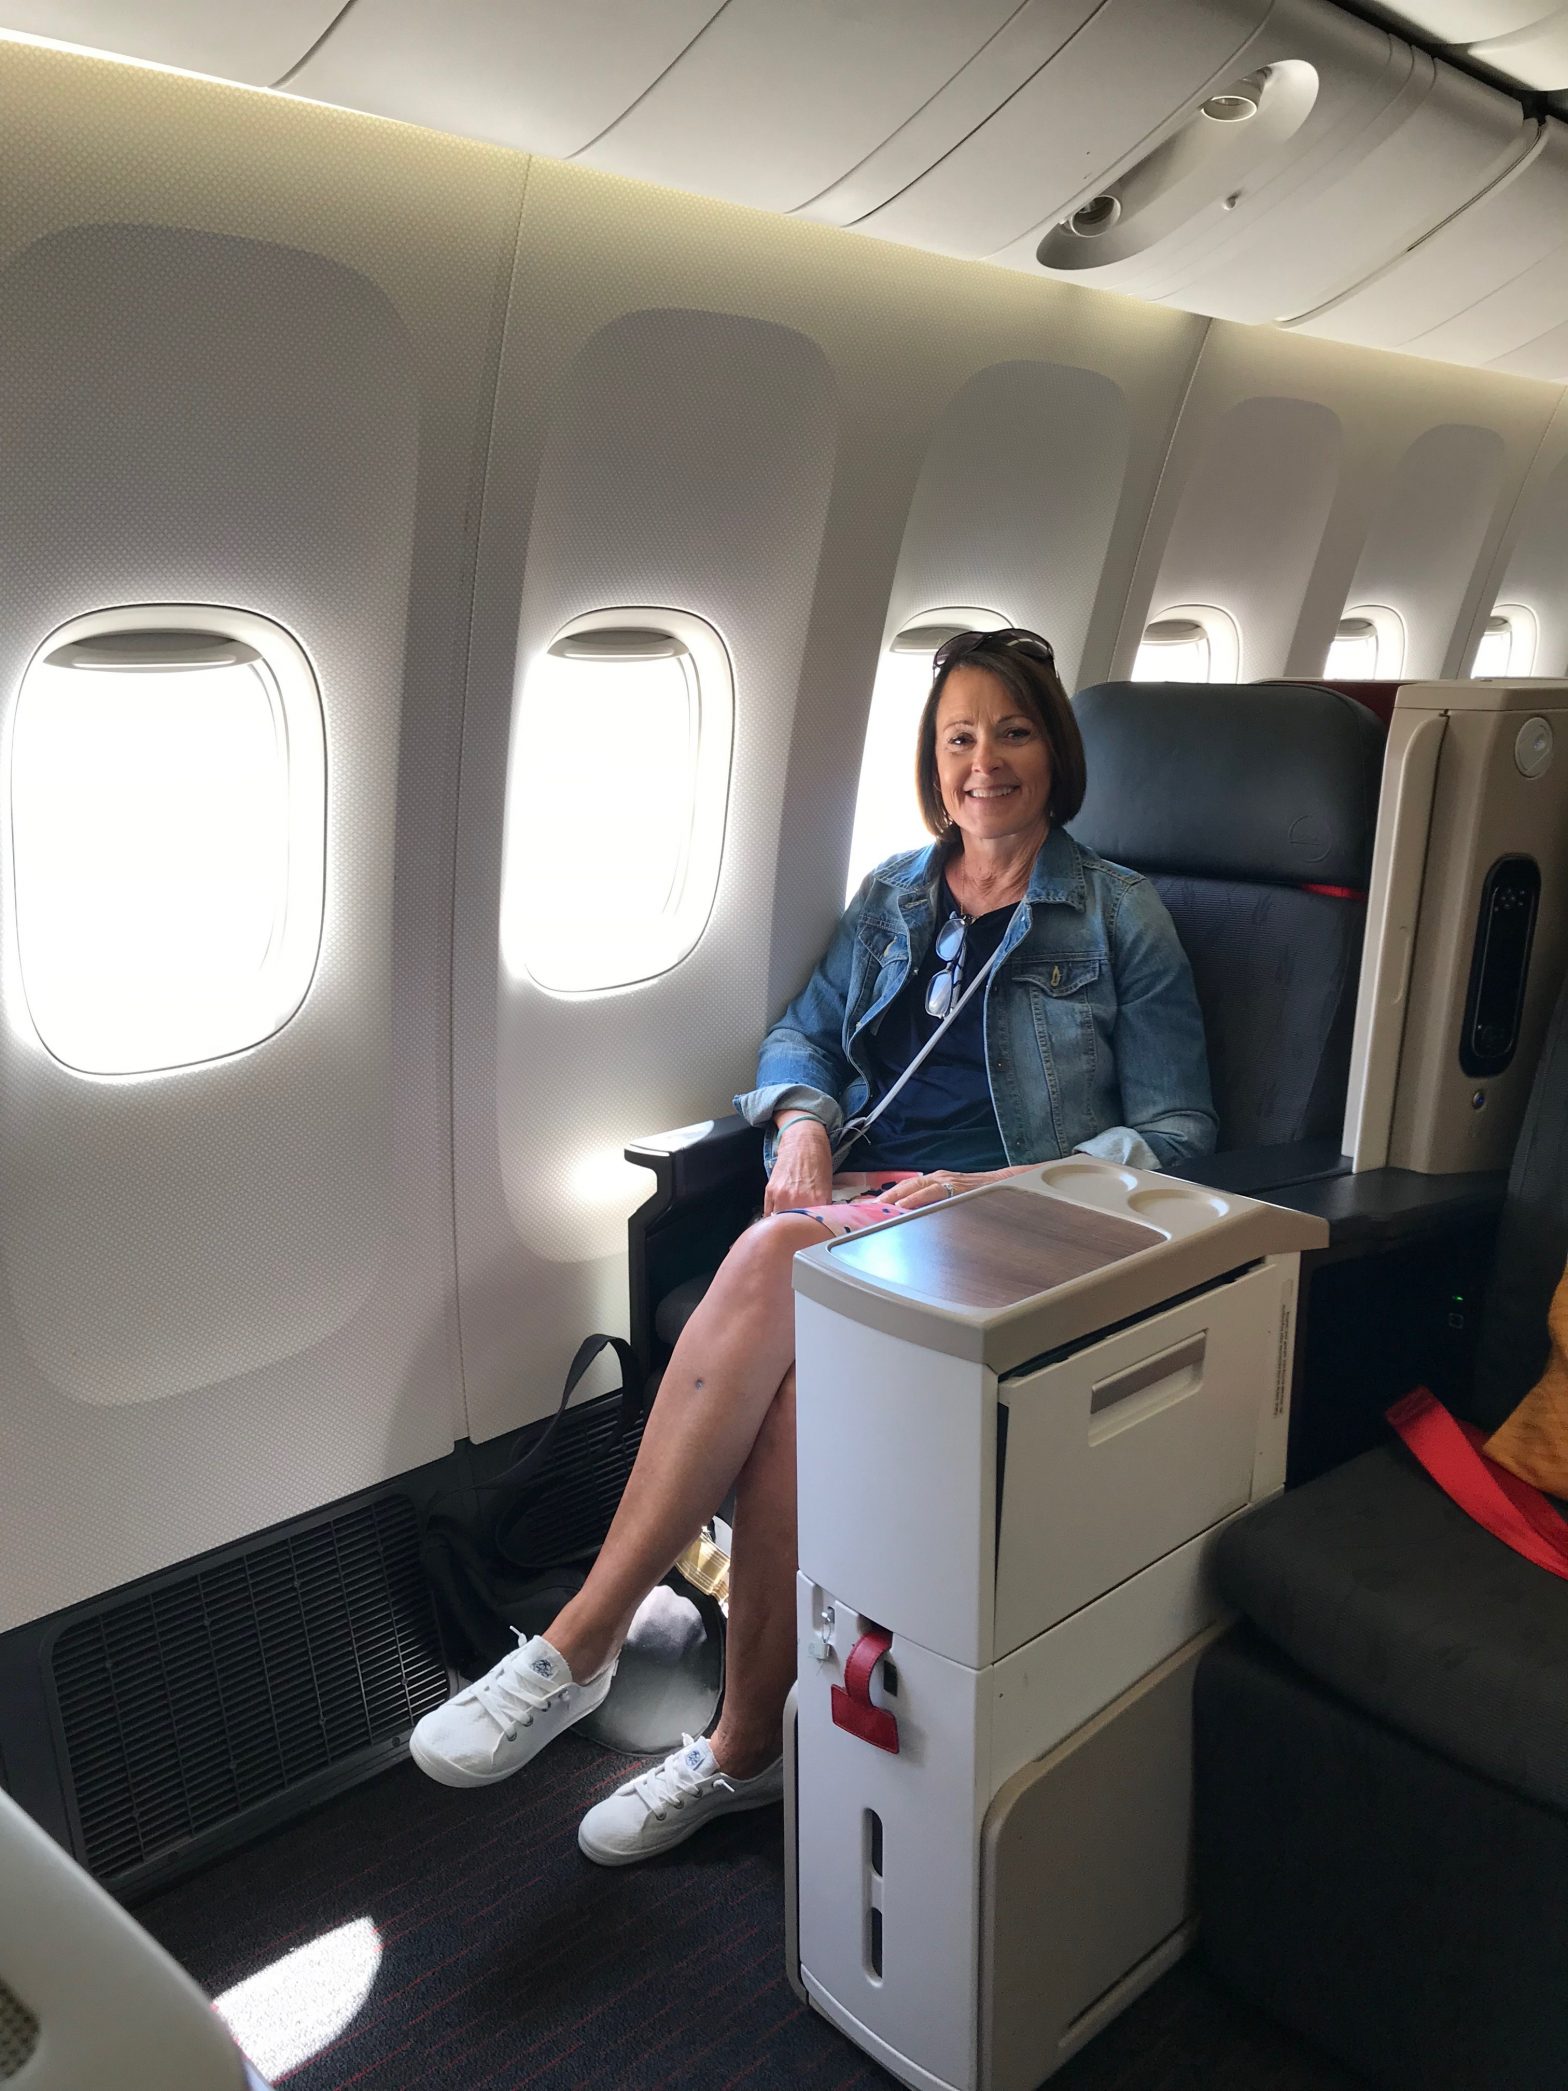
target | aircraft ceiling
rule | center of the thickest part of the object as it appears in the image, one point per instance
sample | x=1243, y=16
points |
x=1261, y=160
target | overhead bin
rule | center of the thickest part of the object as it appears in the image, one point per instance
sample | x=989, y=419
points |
x=1489, y=287
x=1330, y=148
x=1062, y=94
x=1243, y=160
x=1526, y=39
x=254, y=44
x=532, y=73
x=772, y=104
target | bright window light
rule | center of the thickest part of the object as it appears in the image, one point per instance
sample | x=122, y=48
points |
x=1368, y=646
x=887, y=806
x=167, y=795
x=1352, y=654
x=1193, y=643
x=616, y=794
x=1507, y=646
x=290, y=2010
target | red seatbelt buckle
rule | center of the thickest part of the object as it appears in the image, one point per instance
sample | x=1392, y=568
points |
x=852, y=1707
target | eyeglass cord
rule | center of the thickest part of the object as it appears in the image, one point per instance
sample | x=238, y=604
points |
x=859, y=1126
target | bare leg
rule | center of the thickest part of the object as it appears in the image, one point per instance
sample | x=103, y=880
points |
x=760, y=1646
x=718, y=1388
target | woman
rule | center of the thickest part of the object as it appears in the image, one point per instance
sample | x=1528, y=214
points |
x=1086, y=1035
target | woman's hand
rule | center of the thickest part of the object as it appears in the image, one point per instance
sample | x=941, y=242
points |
x=802, y=1168
x=938, y=1184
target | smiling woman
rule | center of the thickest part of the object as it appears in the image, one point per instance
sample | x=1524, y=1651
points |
x=1087, y=1036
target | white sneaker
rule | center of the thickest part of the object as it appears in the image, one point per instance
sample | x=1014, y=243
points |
x=662, y=1807
x=505, y=1718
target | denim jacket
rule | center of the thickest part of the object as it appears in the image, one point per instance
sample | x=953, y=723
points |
x=1093, y=1038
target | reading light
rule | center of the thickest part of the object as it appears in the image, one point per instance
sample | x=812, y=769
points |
x=1239, y=101
x=1098, y=215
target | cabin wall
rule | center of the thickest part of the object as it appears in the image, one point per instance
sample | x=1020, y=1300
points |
x=422, y=402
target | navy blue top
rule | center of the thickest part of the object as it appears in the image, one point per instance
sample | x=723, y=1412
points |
x=945, y=1106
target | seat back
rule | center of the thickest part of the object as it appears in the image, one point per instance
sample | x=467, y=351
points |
x=1532, y=1241
x=1252, y=810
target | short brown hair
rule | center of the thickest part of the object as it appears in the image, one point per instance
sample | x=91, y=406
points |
x=1038, y=689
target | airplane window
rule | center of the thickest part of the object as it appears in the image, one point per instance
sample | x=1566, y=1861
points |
x=887, y=808
x=168, y=808
x=636, y=708
x=1190, y=644
x=1368, y=646
x=1507, y=645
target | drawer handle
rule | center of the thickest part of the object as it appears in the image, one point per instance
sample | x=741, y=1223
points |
x=1150, y=1373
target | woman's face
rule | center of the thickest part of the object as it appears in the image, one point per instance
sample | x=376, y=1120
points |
x=992, y=760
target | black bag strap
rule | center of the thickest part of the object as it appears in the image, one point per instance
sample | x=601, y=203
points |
x=634, y=1401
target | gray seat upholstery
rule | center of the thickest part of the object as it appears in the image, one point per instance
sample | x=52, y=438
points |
x=1375, y=1583
x=1428, y=1660
x=1242, y=805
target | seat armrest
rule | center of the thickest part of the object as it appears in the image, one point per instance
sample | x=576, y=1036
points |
x=1257, y=1172
x=1382, y=1208
x=694, y=1159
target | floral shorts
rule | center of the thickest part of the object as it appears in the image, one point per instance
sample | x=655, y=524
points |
x=855, y=1203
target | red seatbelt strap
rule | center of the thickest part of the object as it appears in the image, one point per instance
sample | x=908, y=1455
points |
x=1510, y=1509
x=852, y=1707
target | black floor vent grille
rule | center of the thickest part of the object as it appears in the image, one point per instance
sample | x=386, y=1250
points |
x=197, y=1700
x=18, y=2034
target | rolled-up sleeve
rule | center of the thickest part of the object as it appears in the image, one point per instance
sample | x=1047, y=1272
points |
x=1162, y=1065
x=802, y=1064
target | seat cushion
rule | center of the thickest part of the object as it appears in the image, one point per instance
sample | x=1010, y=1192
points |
x=1276, y=973
x=1375, y=1583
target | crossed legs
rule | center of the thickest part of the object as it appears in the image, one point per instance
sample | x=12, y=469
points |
x=724, y=1417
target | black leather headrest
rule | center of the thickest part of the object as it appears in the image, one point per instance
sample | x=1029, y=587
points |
x=1272, y=783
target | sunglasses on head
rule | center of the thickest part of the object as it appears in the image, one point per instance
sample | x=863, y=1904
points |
x=1013, y=640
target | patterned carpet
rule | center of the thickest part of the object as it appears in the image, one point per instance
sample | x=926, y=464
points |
x=506, y=1960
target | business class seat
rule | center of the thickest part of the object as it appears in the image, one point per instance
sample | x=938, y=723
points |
x=1382, y=1751
x=1253, y=810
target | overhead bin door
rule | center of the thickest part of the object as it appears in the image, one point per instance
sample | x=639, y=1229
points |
x=533, y=73
x=1489, y=287
x=253, y=44
x=1330, y=148
x=1526, y=39
x=1038, y=116
x=772, y=104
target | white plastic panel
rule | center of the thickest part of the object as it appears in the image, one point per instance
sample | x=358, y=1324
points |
x=1466, y=21
x=227, y=1294
x=1426, y=540
x=1526, y=40
x=1535, y=568
x=532, y=73
x=1127, y=1449
x=256, y=44
x=1248, y=528
x=1359, y=145
x=1071, y=112
x=771, y=104
x=1482, y=289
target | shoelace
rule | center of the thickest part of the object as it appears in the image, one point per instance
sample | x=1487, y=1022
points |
x=497, y=1692
x=672, y=1783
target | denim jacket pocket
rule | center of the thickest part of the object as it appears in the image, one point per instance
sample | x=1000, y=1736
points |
x=1059, y=976
x=1060, y=994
